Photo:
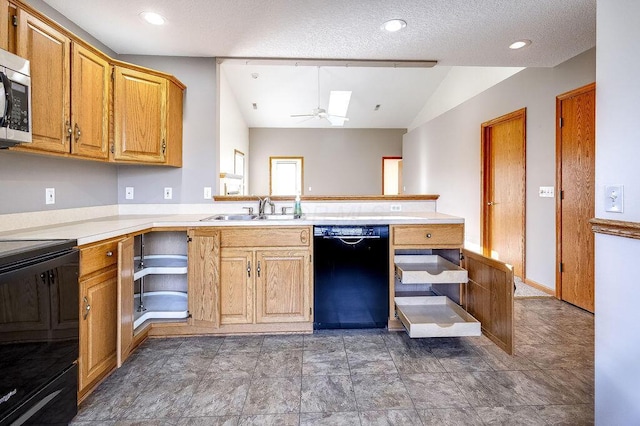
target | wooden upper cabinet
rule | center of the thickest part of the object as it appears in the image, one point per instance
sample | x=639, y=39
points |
x=140, y=116
x=4, y=25
x=89, y=104
x=48, y=51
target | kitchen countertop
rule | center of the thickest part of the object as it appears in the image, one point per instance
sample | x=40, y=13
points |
x=90, y=231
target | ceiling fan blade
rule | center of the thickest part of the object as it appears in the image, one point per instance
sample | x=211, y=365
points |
x=338, y=116
x=302, y=115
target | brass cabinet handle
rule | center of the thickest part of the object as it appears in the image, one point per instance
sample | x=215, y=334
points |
x=258, y=269
x=491, y=203
x=109, y=253
x=249, y=268
x=69, y=129
x=429, y=235
x=164, y=146
x=87, y=307
x=78, y=132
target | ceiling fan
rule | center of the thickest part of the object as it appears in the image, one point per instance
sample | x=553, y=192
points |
x=319, y=112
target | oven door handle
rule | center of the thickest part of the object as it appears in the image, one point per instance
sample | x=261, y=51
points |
x=8, y=100
x=40, y=266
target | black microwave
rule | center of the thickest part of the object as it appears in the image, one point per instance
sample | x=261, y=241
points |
x=15, y=100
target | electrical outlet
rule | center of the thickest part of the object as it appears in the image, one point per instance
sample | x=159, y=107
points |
x=128, y=193
x=546, y=192
x=614, y=198
x=396, y=207
x=168, y=193
x=50, y=195
x=207, y=192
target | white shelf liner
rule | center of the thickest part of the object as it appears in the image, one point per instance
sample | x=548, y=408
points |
x=160, y=305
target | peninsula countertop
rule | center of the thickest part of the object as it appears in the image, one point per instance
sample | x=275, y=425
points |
x=102, y=228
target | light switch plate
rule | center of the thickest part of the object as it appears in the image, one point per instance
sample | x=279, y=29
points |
x=50, y=195
x=546, y=192
x=128, y=193
x=614, y=198
x=168, y=193
x=207, y=192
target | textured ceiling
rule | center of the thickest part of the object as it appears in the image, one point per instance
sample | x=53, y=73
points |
x=452, y=32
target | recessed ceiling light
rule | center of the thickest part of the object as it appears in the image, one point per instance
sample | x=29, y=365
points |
x=153, y=18
x=393, y=25
x=519, y=44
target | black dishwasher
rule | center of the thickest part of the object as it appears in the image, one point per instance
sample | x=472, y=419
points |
x=351, y=276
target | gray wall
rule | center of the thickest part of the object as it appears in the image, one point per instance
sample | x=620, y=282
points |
x=199, y=153
x=78, y=183
x=443, y=155
x=336, y=161
x=617, y=342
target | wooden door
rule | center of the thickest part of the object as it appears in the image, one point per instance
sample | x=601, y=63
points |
x=98, y=334
x=503, y=190
x=575, y=205
x=204, y=277
x=237, y=272
x=282, y=286
x=90, y=104
x=126, y=314
x=48, y=51
x=139, y=109
x=489, y=297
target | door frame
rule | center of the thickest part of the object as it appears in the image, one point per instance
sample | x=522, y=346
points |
x=484, y=182
x=572, y=93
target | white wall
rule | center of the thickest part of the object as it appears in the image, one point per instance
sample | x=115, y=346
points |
x=443, y=155
x=336, y=161
x=234, y=132
x=617, y=370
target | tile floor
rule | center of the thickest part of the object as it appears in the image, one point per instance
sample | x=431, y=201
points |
x=359, y=377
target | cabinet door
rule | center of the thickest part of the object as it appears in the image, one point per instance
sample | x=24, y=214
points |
x=489, y=297
x=126, y=314
x=89, y=104
x=282, y=286
x=48, y=51
x=98, y=312
x=237, y=270
x=139, y=109
x=174, y=125
x=4, y=24
x=204, y=277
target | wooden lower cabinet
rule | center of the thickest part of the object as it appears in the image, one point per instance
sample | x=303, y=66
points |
x=262, y=285
x=484, y=291
x=98, y=310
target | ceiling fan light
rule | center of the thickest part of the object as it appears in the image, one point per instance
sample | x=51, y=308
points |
x=153, y=18
x=393, y=25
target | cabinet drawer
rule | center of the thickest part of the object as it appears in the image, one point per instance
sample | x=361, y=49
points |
x=428, y=269
x=98, y=256
x=446, y=235
x=435, y=316
x=265, y=237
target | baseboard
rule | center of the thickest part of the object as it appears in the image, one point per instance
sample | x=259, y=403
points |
x=540, y=287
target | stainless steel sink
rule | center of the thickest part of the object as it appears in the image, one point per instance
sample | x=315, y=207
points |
x=230, y=217
x=277, y=217
x=247, y=217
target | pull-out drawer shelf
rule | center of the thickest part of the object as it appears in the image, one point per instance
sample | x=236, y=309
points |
x=435, y=316
x=428, y=269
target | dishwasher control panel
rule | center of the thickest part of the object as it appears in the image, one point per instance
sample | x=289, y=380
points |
x=351, y=231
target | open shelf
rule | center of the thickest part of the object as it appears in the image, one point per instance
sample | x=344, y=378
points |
x=160, y=305
x=431, y=269
x=435, y=316
x=161, y=264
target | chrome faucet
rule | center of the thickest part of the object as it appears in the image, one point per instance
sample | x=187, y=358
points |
x=262, y=203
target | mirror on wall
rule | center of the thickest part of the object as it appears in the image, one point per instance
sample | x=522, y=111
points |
x=288, y=108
